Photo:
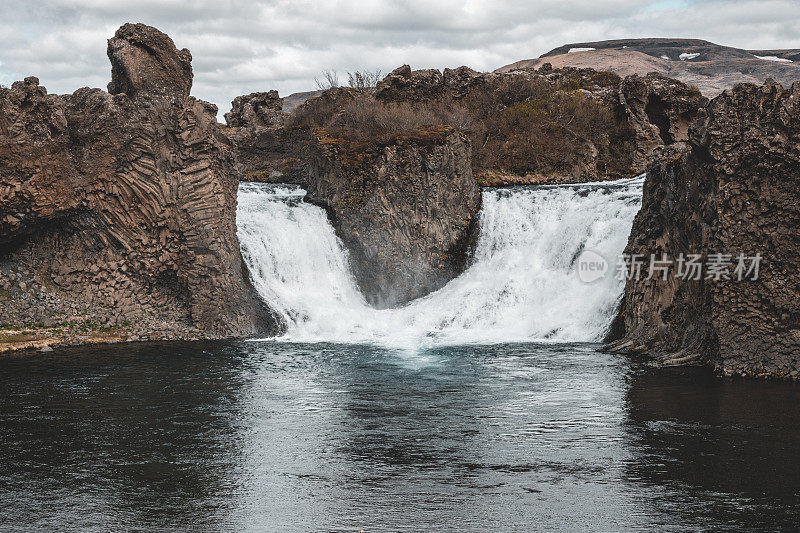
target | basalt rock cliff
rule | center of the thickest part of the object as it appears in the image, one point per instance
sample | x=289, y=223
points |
x=732, y=188
x=117, y=209
x=406, y=210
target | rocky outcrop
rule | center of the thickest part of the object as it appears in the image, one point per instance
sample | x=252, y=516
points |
x=404, y=84
x=407, y=210
x=144, y=59
x=731, y=189
x=615, y=124
x=265, y=150
x=118, y=209
x=256, y=109
x=659, y=111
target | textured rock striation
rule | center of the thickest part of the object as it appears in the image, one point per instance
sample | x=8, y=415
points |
x=407, y=210
x=265, y=149
x=731, y=189
x=117, y=210
x=659, y=111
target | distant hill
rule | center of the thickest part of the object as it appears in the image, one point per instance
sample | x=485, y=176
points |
x=295, y=99
x=711, y=67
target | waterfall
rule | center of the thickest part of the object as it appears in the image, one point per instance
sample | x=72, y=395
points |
x=522, y=284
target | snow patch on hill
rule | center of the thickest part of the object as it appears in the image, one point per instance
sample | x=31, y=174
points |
x=775, y=58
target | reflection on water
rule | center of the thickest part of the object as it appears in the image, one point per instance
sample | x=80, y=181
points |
x=288, y=437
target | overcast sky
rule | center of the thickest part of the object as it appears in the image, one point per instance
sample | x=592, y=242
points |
x=244, y=46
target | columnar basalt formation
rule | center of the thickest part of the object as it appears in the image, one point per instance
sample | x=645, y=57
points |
x=731, y=189
x=406, y=210
x=118, y=209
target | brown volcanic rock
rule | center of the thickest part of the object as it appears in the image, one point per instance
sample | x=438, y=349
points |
x=124, y=204
x=406, y=85
x=732, y=189
x=270, y=149
x=256, y=109
x=407, y=211
x=144, y=59
x=670, y=316
x=659, y=110
x=638, y=114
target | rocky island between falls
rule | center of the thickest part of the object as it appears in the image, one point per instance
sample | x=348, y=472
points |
x=118, y=207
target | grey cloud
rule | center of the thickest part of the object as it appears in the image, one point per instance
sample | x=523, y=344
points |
x=242, y=46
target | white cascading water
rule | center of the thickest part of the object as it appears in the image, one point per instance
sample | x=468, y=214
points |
x=521, y=286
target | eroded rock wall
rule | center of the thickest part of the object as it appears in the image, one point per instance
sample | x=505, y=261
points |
x=732, y=189
x=119, y=209
x=407, y=211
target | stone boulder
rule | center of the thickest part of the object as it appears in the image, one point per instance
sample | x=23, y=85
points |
x=403, y=84
x=256, y=109
x=144, y=59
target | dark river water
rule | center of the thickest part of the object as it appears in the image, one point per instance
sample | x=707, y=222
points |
x=279, y=437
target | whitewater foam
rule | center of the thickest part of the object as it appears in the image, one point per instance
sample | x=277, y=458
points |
x=521, y=286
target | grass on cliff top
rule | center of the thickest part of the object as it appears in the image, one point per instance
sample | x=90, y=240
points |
x=358, y=121
x=518, y=127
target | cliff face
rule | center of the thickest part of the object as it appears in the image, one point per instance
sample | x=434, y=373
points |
x=732, y=189
x=406, y=210
x=118, y=209
x=658, y=110
x=265, y=150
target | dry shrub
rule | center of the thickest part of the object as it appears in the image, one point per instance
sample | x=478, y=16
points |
x=546, y=133
x=363, y=79
x=520, y=125
x=361, y=118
